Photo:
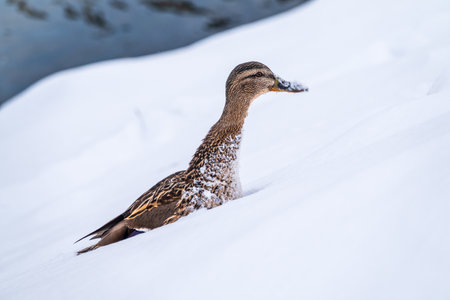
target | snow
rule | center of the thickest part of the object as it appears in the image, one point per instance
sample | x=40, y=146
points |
x=218, y=178
x=291, y=86
x=346, y=188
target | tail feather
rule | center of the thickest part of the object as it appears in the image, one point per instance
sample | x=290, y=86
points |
x=100, y=232
x=87, y=249
x=118, y=232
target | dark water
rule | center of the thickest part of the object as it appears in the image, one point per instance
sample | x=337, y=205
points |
x=38, y=38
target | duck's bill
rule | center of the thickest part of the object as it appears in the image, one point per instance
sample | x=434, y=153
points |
x=282, y=85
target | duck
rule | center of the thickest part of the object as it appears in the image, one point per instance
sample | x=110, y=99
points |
x=212, y=176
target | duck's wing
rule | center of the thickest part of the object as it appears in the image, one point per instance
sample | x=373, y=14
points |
x=166, y=191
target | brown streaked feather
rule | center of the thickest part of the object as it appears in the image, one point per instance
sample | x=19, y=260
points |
x=163, y=192
x=154, y=217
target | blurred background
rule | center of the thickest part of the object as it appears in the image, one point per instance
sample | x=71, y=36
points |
x=38, y=38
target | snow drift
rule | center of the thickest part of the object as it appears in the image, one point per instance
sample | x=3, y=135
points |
x=346, y=187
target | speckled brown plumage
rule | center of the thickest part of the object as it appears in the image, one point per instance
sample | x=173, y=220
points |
x=212, y=175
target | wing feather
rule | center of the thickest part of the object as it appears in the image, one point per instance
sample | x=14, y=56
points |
x=164, y=192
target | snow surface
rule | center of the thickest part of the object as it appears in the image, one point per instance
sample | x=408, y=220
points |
x=346, y=187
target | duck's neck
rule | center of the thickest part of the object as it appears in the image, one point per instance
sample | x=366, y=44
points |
x=224, y=135
x=219, y=147
x=214, y=171
x=235, y=111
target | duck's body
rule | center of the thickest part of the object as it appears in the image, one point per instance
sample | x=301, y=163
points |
x=212, y=177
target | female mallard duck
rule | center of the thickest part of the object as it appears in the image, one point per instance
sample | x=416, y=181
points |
x=212, y=176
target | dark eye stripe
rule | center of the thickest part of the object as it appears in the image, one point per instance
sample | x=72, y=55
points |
x=254, y=76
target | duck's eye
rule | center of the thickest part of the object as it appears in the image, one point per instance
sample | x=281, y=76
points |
x=259, y=74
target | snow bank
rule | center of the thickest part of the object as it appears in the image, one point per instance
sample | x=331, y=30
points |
x=346, y=187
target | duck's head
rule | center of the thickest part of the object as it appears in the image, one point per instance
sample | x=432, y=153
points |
x=246, y=82
x=252, y=79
